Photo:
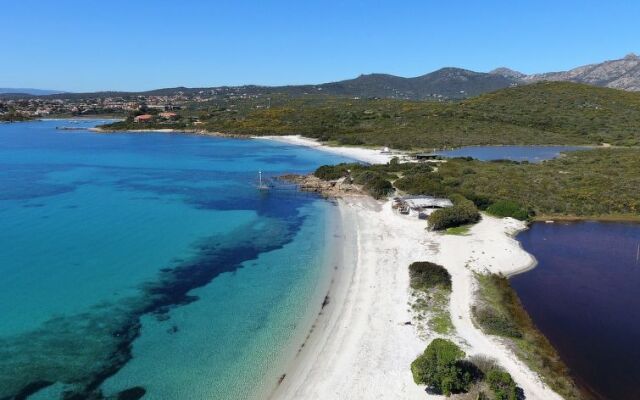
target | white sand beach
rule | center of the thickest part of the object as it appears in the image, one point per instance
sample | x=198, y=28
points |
x=360, y=347
x=370, y=156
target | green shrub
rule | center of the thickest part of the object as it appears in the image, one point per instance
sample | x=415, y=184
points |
x=507, y=208
x=441, y=368
x=378, y=187
x=497, y=324
x=463, y=212
x=426, y=275
x=422, y=183
x=373, y=183
x=333, y=172
x=501, y=384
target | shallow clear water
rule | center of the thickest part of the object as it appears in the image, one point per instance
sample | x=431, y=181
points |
x=532, y=154
x=584, y=296
x=150, y=262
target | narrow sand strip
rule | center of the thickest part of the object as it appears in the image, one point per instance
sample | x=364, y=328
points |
x=361, y=348
x=369, y=156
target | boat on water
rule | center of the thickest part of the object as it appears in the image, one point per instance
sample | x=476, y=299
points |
x=262, y=185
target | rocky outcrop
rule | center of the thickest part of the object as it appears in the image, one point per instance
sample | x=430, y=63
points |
x=618, y=74
x=337, y=188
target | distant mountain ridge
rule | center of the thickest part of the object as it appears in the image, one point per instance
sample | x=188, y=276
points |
x=29, y=91
x=445, y=83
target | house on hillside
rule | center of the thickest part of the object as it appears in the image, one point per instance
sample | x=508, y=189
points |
x=168, y=115
x=143, y=118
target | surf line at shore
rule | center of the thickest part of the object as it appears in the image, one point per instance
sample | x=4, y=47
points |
x=361, y=345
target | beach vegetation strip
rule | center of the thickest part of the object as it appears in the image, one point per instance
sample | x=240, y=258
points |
x=499, y=312
x=598, y=183
x=431, y=289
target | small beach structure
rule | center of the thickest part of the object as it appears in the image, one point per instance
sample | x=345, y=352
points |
x=427, y=156
x=419, y=204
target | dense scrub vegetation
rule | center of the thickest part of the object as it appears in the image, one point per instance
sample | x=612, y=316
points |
x=508, y=208
x=444, y=370
x=499, y=312
x=463, y=212
x=441, y=367
x=541, y=113
x=374, y=181
x=13, y=117
x=593, y=183
x=501, y=384
x=426, y=275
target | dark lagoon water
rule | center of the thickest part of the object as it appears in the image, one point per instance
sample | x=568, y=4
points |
x=515, y=153
x=149, y=263
x=584, y=295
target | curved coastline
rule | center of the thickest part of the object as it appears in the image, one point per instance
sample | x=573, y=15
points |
x=329, y=361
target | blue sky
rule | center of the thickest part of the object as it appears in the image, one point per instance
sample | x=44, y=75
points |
x=138, y=45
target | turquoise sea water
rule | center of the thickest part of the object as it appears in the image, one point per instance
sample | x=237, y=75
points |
x=148, y=264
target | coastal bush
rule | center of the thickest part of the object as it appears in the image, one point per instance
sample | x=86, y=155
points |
x=501, y=384
x=426, y=275
x=333, y=172
x=378, y=187
x=463, y=212
x=442, y=368
x=496, y=324
x=373, y=183
x=422, y=183
x=507, y=208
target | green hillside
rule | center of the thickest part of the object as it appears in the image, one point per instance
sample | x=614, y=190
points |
x=540, y=113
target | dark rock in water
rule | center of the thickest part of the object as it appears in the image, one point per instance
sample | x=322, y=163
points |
x=172, y=330
x=133, y=393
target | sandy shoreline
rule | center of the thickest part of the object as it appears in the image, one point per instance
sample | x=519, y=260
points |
x=360, y=347
x=369, y=156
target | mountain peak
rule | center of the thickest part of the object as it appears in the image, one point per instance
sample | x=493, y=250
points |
x=507, y=72
x=631, y=56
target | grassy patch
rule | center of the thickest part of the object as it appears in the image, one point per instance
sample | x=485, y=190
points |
x=500, y=312
x=432, y=288
x=458, y=230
